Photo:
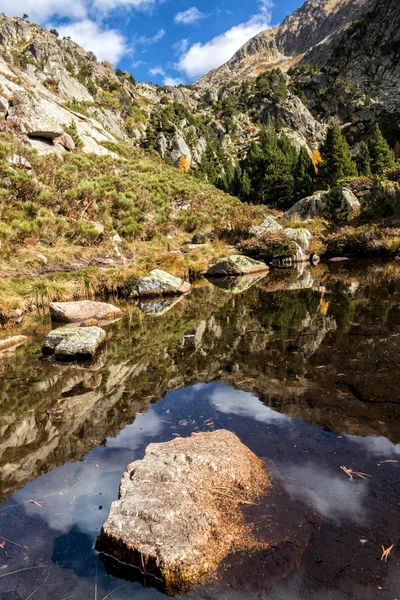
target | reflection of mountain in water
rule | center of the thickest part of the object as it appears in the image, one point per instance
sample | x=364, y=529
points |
x=328, y=357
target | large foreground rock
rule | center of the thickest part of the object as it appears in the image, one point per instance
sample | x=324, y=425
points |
x=316, y=206
x=236, y=265
x=157, y=283
x=70, y=343
x=178, y=513
x=76, y=312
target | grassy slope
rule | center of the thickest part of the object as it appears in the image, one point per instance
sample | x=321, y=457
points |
x=52, y=210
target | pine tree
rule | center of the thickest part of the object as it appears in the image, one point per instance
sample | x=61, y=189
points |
x=364, y=160
x=337, y=161
x=382, y=157
x=304, y=175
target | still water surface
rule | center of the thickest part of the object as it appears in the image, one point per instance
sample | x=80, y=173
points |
x=304, y=368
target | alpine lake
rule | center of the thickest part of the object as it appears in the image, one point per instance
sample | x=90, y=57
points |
x=302, y=365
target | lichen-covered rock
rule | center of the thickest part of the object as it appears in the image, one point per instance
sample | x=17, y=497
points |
x=157, y=283
x=76, y=312
x=236, y=265
x=269, y=225
x=178, y=513
x=71, y=343
x=301, y=236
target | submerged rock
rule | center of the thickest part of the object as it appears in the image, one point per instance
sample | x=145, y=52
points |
x=74, y=342
x=157, y=283
x=74, y=312
x=178, y=513
x=236, y=265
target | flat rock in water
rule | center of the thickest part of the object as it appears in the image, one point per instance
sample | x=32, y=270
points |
x=159, y=283
x=236, y=264
x=179, y=509
x=71, y=343
x=77, y=312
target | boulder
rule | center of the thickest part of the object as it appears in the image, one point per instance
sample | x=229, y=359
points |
x=157, y=283
x=180, y=148
x=66, y=141
x=236, y=265
x=301, y=236
x=38, y=118
x=269, y=225
x=199, y=238
x=76, y=312
x=10, y=343
x=316, y=206
x=179, y=508
x=16, y=160
x=69, y=343
x=162, y=145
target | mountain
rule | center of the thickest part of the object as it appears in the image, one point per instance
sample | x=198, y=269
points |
x=283, y=46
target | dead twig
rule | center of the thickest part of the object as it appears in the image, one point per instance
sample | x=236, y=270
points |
x=386, y=552
x=20, y=570
x=351, y=473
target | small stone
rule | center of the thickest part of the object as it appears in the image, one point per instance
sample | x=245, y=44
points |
x=89, y=323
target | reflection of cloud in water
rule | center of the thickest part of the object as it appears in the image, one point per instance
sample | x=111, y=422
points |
x=73, y=493
x=147, y=425
x=377, y=446
x=333, y=496
x=243, y=404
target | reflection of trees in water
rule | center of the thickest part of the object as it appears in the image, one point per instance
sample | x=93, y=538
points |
x=52, y=413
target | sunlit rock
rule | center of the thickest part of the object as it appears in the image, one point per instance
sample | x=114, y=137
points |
x=172, y=519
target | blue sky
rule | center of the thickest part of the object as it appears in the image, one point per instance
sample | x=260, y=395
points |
x=163, y=41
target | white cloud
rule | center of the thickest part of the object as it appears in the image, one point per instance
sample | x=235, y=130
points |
x=181, y=46
x=174, y=81
x=156, y=71
x=107, y=44
x=236, y=402
x=41, y=10
x=201, y=58
x=107, y=5
x=189, y=16
x=144, y=40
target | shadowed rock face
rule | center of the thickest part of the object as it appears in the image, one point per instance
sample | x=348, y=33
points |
x=178, y=512
x=322, y=347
